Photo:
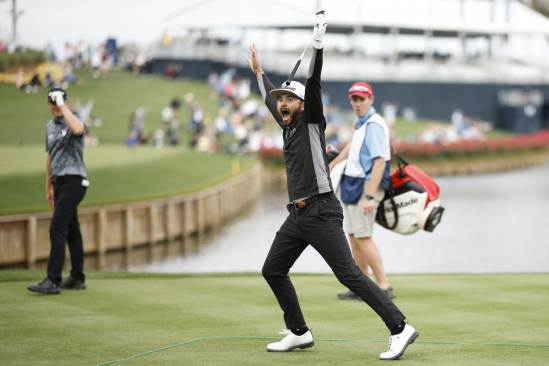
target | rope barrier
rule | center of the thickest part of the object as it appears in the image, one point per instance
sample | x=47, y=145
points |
x=156, y=350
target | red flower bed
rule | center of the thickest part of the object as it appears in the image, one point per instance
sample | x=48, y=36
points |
x=468, y=148
x=465, y=148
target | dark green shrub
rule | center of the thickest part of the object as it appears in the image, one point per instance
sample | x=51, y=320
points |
x=27, y=57
x=15, y=58
x=4, y=62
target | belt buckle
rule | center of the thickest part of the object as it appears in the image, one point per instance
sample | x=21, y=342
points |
x=299, y=205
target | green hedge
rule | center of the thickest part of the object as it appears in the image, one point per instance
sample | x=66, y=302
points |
x=27, y=57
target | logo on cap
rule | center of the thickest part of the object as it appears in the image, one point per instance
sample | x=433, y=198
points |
x=295, y=88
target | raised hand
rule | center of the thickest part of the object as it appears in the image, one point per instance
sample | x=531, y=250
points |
x=57, y=98
x=253, y=60
x=320, y=29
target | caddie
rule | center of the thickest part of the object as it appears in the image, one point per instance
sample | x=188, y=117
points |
x=367, y=176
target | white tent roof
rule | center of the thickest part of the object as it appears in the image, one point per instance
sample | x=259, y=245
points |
x=208, y=14
x=442, y=15
x=371, y=15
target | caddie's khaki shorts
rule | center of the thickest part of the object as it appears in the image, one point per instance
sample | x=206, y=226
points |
x=355, y=222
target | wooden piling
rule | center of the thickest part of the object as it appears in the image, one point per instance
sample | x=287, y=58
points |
x=153, y=224
x=169, y=220
x=101, y=239
x=128, y=235
x=201, y=215
x=31, y=242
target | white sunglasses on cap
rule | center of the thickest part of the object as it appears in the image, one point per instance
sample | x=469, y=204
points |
x=360, y=88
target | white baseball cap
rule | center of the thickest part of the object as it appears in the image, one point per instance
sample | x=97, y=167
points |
x=295, y=88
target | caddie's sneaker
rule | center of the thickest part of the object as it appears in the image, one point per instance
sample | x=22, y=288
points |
x=292, y=341
x=46, y=287
x=399, y=342
x=349, y=295
x=73, y=284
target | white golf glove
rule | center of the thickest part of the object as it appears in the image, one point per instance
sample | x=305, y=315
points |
x=57, y=98
x=320, y=30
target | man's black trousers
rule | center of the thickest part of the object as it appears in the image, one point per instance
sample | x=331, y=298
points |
x=68, y=191
x=321, y=225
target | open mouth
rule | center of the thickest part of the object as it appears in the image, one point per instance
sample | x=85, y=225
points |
x=285, y=114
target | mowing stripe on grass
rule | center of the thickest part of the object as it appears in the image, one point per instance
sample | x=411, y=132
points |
x=384, y=341
x=515, y=345
x=247, y=337
x=434, y=342
x=348, y=340
x=340, y=340
x=316, y=339
x=156, y=350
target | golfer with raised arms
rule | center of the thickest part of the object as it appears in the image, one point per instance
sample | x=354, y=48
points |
x=315, y=215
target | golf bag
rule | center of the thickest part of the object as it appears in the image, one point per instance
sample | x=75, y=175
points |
x=412, y=201
x=410, y=204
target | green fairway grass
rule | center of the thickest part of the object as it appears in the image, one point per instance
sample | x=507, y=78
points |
x=117, y=174
x=30, y=159
x=122, y=315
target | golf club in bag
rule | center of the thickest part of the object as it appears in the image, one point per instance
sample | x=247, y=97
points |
x=303, y=53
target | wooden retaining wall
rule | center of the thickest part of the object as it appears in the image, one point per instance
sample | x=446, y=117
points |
x=24, y=239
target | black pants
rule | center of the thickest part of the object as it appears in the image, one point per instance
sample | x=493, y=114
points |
x=68, y=191
x=321, y=225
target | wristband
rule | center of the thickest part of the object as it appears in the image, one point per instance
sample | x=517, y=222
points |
x=368, y=197
x=257, y=71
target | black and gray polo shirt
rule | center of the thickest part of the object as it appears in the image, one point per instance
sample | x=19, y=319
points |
x=65, y=149
x=307, y=171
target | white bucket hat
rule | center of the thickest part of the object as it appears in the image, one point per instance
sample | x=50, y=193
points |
x=295, y=88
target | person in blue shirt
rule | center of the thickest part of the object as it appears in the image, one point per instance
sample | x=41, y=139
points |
x=368, y=166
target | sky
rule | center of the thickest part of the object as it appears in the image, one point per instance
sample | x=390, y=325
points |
x=141, y=22
x=56, y=21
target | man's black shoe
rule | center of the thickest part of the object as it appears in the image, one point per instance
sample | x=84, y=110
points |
x=349, y=295
x=73, y=284
x=46, y=287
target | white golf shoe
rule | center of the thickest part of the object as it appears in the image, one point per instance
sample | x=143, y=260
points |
x=292, y=341
x=399, y=342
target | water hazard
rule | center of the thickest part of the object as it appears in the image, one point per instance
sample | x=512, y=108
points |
x=492, y=223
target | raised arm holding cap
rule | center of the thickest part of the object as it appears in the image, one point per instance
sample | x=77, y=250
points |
x=66, y=186
x=57, y=99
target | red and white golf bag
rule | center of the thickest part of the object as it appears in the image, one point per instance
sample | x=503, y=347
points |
x=411, y=203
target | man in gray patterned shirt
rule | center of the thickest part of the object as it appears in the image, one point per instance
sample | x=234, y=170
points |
x=66, y=186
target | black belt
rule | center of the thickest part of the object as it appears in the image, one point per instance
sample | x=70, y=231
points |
x=301, y=204
x=61, y=178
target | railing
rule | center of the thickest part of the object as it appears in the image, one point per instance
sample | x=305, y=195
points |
x=24, y=239
x=345, y=67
